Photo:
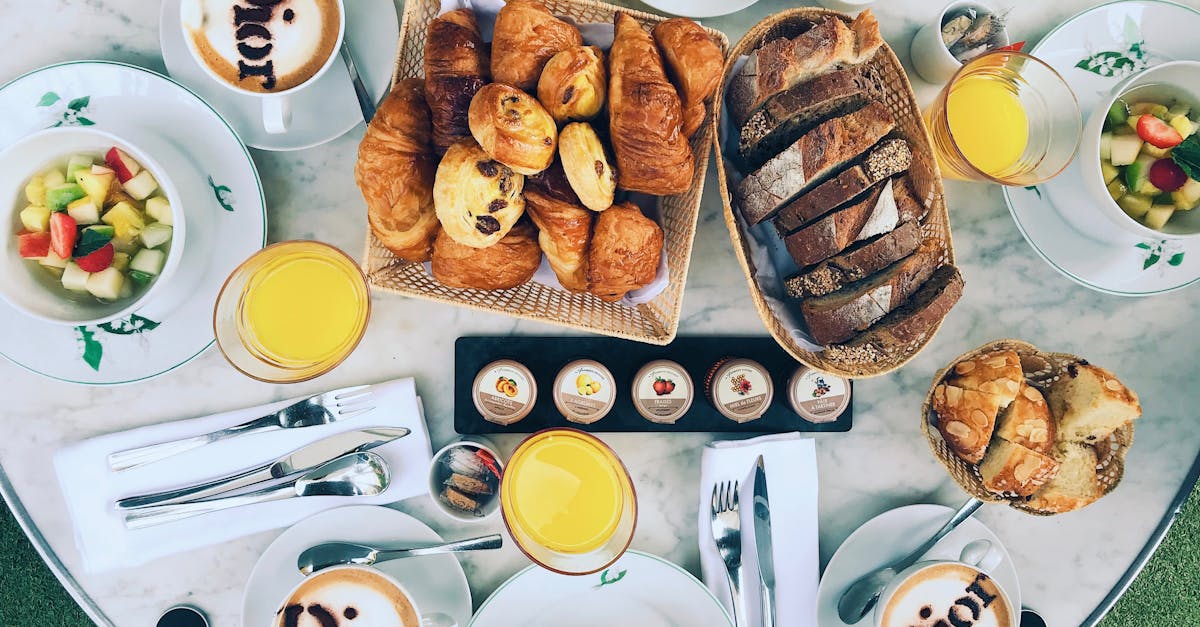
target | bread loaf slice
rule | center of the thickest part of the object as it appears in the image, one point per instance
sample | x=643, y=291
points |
x=782, y=63
x=887, y=159
x=854, y=263
x=837, y=317
x=907, y=324
x=1090, y=403
x=1076, y=483
x=879, y=212
x=819, y=153
x=794, y=112
x=1027, y=422
x=966, y=419
x=1012, y=469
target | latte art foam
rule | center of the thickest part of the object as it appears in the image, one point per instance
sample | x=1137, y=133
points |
x=947, y=595
x=263, y=45
x=347, y=598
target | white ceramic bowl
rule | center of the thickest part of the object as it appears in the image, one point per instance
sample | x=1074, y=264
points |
x=24, y=284
x=1176, y=79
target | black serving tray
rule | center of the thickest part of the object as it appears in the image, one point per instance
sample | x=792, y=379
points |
x=545, y=356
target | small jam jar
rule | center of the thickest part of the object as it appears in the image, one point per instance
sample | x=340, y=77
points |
x=584, y=391
x=504, y=392
x=662, y=391
x=818, y=396
x=740, y=389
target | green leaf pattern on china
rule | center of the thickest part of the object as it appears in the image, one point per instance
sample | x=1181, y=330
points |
x=606, y=580
x=72, y=113
x=129, y=326
x=223, y=194
x=1118, y=63
x=1155, y=252
x=91, y=350
x=1034, y=189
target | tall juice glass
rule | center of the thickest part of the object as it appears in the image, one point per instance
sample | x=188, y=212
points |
x=292, y=311
x=1005, y=117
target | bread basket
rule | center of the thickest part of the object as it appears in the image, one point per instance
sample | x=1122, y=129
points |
x=1041, y=370
x=901, y=102
x=655, y=322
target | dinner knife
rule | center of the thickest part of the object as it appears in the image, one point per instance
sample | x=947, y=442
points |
x=762, y=542
x=303, y=458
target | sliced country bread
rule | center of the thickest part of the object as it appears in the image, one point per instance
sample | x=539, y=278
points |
x=818, y=154
x=877, y=213
x=856, y=262
x=887, y=159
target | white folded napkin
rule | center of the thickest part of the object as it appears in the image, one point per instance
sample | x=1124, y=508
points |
x=791, y=466
x=91, y=489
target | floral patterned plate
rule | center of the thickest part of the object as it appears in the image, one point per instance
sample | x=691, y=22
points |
x=1093, y=51
x=639, y=589
x=222, y=202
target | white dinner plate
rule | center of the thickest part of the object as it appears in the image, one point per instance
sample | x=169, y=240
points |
x=221, y=199
x=639, y=589
x=891, y=536
x=323, y=111
x=436, y=582
x=699, y=8
x=1093, y=51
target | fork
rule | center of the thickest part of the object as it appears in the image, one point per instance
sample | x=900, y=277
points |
x=727, y=533
x=318, y=409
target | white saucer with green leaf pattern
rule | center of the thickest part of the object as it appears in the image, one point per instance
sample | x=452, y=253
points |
x=1093, y=51
x=222, y=200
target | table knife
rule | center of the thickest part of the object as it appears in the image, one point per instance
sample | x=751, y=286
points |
x=762, y=542
x=303, y=458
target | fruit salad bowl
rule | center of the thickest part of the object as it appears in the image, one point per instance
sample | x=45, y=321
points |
x=93, y=226
x=1135, y=183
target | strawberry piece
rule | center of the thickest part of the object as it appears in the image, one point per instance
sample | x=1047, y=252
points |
x=1157, y=133
x=1166, y=175
x=62, y=234
x=98, y=259
x=33, y=245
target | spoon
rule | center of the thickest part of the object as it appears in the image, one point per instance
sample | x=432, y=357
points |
x=365, y=103
x=862, y=595
x=336, y=553
x=353, y=474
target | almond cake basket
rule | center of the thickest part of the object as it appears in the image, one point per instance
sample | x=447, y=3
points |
x=654, y=322
x=898, y=97
x=1041, y=369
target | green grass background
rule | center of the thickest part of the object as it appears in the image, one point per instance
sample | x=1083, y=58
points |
x=1166, y=593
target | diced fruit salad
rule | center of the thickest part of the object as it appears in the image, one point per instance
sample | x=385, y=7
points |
x=1150, y=160
x=101, y=225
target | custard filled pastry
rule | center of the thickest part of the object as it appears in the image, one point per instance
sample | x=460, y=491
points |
x=512, y=127
x=645, y=116
x=574, y=84
x=395, y=172
x=477, y=199
x=456, y=66
x=695, y=64
x=625, y=252
x=586, y=165
x=564, y=232
x=525, y=37
x=511, y=262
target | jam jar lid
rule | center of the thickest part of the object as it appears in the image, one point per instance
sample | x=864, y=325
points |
x=740, y=389
x=818, y=396
x=584, y=391
x=504, y=391
x=662, y=391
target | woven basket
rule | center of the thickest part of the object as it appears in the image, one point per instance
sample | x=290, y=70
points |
x=1041, y=370
x=898, y=97
x=655, y=322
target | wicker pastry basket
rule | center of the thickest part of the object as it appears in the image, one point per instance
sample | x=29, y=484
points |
x=902, y=103
x=1041, y=370
x=655, y=322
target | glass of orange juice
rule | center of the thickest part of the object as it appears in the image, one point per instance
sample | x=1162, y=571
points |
x=292, y=311
x=1005, y=117
x=568, y=502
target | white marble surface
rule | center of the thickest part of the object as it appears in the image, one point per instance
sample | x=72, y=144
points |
x=1067, y=563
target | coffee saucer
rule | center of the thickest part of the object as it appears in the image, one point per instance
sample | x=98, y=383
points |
x=889, y=537
x=437, y=582
x=323, y=111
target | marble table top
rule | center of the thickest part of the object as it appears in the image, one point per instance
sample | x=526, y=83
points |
x=1067, y=563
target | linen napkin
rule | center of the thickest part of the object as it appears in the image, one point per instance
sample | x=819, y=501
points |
x=791, y=468
x=91, y=489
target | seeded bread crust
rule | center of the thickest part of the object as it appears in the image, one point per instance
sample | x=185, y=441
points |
x=854, y=263
x=887, y=159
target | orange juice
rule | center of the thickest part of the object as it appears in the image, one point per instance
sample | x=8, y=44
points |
x=988, y=122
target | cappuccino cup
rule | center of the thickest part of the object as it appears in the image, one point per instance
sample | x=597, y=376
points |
x=353, y=596
x=267, y=49
x=959, y=593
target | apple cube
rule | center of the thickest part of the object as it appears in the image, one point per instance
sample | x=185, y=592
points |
x=96, y=185
x=1158, y=215
x=100, y=169
x=35, y=218
x=75, y=278
x=35, y=191
x=140, y=186
x=126, y=219
x=78, y=163
x=121, y=261
x=160, y=209
x=155, y=235
x=121, y=163
x=52, y=260
x=106, y=283
x=84, y=211
x=33, y=245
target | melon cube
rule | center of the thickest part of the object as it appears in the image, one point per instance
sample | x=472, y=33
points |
x=75, y=278
x=160, y=209
x=106, y=283
x=141, y=185
x=84, y=211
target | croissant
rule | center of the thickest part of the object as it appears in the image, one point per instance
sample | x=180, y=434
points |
x=553, y=182
x=525, y=37
x=456, y=66
x=574, y=84
x=395, y=173
x=510, y=262
x=645, y=116
x=564, y=232
x=625, y=252
x=695, y=64
x=513, y=128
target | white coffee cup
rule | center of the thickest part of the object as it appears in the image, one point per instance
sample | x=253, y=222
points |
x=277, y=105
x=424, y=620
x=980, y=557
